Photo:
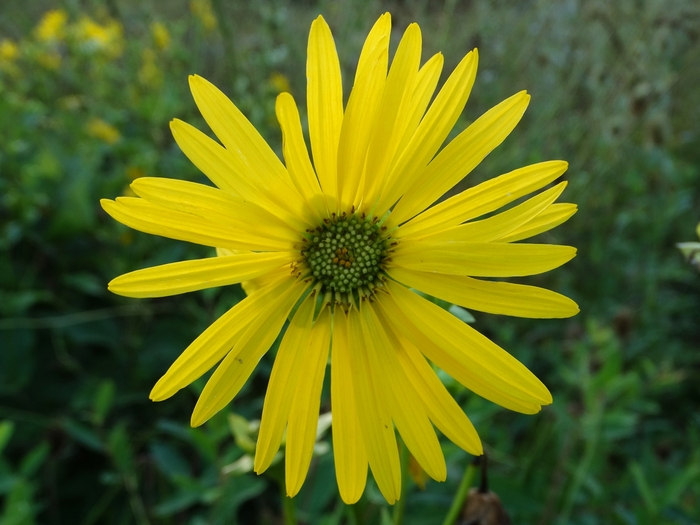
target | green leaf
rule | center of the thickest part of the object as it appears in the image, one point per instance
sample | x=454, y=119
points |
x=643, y=487
x=34, y=460
x=461, y=313
x=120, y=449
x=6, y=429
x=170, y=461
x=103, y=402
x=83, y=435
x=242, y=432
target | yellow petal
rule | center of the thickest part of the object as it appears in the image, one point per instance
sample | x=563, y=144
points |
x=213, y=205
x=484, y=198
x=393, y=115
x=229, y=172
x=303, y=419
x=461, y=156
x=498, y=226
x=148, y=217
x=211, y=158
x=481, y=259
x=361, y=110
x=431, y=132
x=441, y=407
x=234, y=370
x=474, y=360
x=425, y=85
x=188, y=276
x=493, y=297
x=324, y=101
x=217, y=340
x=407, y=409
x=283, y=383
x=349, y=451
x=552, y=217
x=376, y=427
x=297, y=158
x=243, y=141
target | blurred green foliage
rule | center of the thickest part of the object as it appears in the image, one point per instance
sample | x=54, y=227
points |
x=86, y=93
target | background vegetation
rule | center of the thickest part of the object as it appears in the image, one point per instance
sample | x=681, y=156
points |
x=86, y=93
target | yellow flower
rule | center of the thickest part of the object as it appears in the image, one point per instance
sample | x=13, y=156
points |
x=8, y=50
x=280, y=82
x=94, y=37
x=203, y=10
x=344, y=240
x=100, y=129
x=51, y=25
x=150, y=74
x=49, y=59
x=161, y=36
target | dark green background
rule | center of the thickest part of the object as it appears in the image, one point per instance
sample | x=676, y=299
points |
x=614, y=91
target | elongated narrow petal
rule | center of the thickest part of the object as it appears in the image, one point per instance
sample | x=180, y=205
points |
x=324, y=101
x=518, y=300
x=407, y=409
x=393, y=115
x=431, y=132
x=217, y=340
x=148, y=217
x=243, y=141
x=361, y=110
x=485, y=359
x=498, y=226
x=376, y=425
x=484, y=198
x=239, y=136
x=348, y=446
x=188, y=276
x=213, y=205
x=552, y=217
x=441, y=407
x=230, y=376
x=297, y=157
x=482, y=259
x=303, y=419
x=284, y=381
x=461, y=156
x=454, y=363
x=229, y=172
x=426, y=82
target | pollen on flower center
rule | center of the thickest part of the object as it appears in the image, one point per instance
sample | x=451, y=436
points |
x=345, y=252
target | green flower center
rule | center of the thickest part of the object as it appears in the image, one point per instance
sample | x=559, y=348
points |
x=345, y=253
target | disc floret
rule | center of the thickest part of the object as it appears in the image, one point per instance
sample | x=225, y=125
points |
x=345, y=253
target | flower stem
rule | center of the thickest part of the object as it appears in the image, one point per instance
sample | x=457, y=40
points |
x=288, y=508
x=401, y=503
x=461, y=496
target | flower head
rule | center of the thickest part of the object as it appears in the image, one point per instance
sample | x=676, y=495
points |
x=340, y=242
x=51, y=26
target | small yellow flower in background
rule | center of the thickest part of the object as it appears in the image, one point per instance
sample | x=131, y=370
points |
x=52, y=25
x=280, y=82
x=203, y=10
x=8, y=50
x=161, y=36
x=98, y=128
x=150, y=74
x=344, y=239
x=93, y=37
x=50, y=59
